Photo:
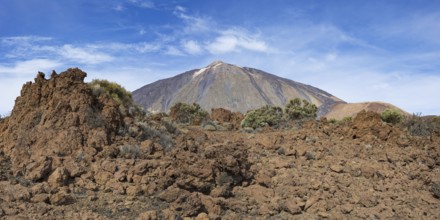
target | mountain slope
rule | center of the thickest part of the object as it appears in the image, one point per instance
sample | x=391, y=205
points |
x=231, y=87
x=341, y=110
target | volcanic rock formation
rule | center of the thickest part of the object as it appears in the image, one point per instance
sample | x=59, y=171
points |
x=57, y=117
x=59, y=122
x=222, y=85
x=68, y=153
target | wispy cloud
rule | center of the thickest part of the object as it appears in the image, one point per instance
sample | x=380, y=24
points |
x=13, y=76
x=146, y=47
x=119, y=8
x=28, y=67
x=142, y=31
x=90, y=53
x=23, y=40
x=84, y=55
x=234, y=40
x=192, y=47
x=215, y=38
x=22, y=46
x=174, y=51
x=193, y=23
x=142, y=3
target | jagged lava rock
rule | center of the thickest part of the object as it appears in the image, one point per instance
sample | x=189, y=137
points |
x=57, y=117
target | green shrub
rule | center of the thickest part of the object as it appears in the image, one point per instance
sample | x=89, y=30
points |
x=333, y=121
x=416, y=125
x=392, y=116
x=185, y=113
x=422, y=126
x=346, y=120
x=435, y=124
x=343, y=121
x=150, y=133
x=264, y=116
x=121, y=96
x=297, y=109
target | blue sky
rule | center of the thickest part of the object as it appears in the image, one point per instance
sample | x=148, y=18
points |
x=357, y=50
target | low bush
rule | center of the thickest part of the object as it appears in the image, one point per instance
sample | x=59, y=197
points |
x=93, y=119
x=147, y=132
x=264, y=116
x=188, y=114
x=343, y=121
x=392, y=116
x=121, y=96
x=422, y=126
x=129, y=151
x=297, y=109
x=346, y=120
x=435, y=124
x=417, y=126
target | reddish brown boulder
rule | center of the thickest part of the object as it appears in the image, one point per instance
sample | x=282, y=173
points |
x=224, y=116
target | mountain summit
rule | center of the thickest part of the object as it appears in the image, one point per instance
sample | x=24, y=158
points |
x=228, y=86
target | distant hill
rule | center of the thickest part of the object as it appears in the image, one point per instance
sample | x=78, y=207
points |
x=228, y=86
x=341, y=110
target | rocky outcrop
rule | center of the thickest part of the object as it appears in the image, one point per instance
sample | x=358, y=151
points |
x=55, y=118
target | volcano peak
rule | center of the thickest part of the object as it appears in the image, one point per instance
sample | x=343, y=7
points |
x=229, y=86
x=216, y=62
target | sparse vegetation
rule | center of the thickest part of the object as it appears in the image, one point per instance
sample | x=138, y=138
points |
x=416, y=125
x=129, y=151
x=343, y=121
x=297, y=109
x=116, y=91
x=94, y=120
x=170, y=127
x=347, y=119
x=119, y=94
x=149, y=133
x=422, y=126
x=392, y=116
x=435, y=121
x=264, y=116
x=188, y=114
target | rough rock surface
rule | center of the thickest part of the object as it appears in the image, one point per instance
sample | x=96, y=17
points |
x=231, y=120
x=65, y=153
x=56, y=118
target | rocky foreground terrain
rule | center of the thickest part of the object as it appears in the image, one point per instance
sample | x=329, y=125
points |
x=69, y=153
